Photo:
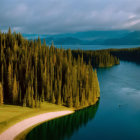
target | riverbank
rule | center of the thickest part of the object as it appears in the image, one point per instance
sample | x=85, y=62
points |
x=11, y=114
x=18, y=128
x=16, y=121
x=23, y=134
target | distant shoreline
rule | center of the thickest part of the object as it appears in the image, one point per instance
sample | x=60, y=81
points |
x=12, y=132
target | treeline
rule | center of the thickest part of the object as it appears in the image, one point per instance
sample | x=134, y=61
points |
x=64, y=127
x=109, y=57
x=98, y=58
x=130, y=54
x=31, y=73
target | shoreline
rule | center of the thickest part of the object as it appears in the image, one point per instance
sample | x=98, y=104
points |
x=12, y=132
x=20, y=129
x=24, y=133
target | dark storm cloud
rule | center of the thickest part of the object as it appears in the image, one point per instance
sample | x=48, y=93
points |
x=60, y=16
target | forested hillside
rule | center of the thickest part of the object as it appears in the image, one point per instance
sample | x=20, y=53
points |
x=131, y=54
x=31, y=73
x=98, y=58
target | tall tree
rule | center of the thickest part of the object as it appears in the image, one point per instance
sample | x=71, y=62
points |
x=1, y=94
x=15, y=91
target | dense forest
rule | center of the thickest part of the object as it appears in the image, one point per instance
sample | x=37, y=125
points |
x=31, y=73
x=131, y=54
x=98, y=58
x=108, y=57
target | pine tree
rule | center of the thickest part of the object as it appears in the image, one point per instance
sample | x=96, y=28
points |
x=77, y=99
x=59, y=94
x=29, y=96
x=83, y=97
x=9, y=31
x=10, y=79
x=32, y=98
x=42, y=96
x=2, y=74
x=53, y=98
x=15, y=91
x=96, y=84
x=15, y=47
x=70, y=100
x=20, y=96
x=1, y=94
x=24, y=101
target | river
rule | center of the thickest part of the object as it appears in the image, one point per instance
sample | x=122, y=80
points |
x=115, y=117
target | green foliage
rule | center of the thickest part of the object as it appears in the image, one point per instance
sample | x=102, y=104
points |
x=32, y=73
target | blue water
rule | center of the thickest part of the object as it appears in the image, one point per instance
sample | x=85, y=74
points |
x=95, y=47
x=115, y=117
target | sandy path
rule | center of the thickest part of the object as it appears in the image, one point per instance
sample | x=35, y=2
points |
x=16, y=129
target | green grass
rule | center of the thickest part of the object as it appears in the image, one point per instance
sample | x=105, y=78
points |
x=11, y=114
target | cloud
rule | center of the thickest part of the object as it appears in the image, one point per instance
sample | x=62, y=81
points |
x=60, y=16
x=132, y=23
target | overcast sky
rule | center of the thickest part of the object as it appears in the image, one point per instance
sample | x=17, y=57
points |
x=62, y=16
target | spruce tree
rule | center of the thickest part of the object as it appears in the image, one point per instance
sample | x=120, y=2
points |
x=1, y=94
x=15, y=91
x=53, y=98
x=77, y=99
x=32, y=98
x=42, y=96
x=20, y=96
x=10, y=80
x=59, y=94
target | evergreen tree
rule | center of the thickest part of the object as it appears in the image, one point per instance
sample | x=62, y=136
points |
x=53, y=98
x=10, y=80
x=24, y=101
x=77, y=99
x=1, y=94
x=20, y=96
x=42, y=95
x=15, y=91
x=70, y=100
x=59, y=94
x=32, y=98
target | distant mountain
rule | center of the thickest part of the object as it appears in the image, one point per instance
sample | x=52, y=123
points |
x=132, y=38
x=122, y=37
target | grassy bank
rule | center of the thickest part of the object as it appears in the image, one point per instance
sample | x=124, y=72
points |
x=10, y=114
x=22, y=135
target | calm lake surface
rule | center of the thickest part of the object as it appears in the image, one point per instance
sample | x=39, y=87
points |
x=115, y=117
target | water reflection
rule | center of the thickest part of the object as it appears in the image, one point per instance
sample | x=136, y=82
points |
x=63, y=128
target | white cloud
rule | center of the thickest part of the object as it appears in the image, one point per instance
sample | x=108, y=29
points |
x=131, y=23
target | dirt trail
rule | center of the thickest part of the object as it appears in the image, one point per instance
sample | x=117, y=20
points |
x=16, y=129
